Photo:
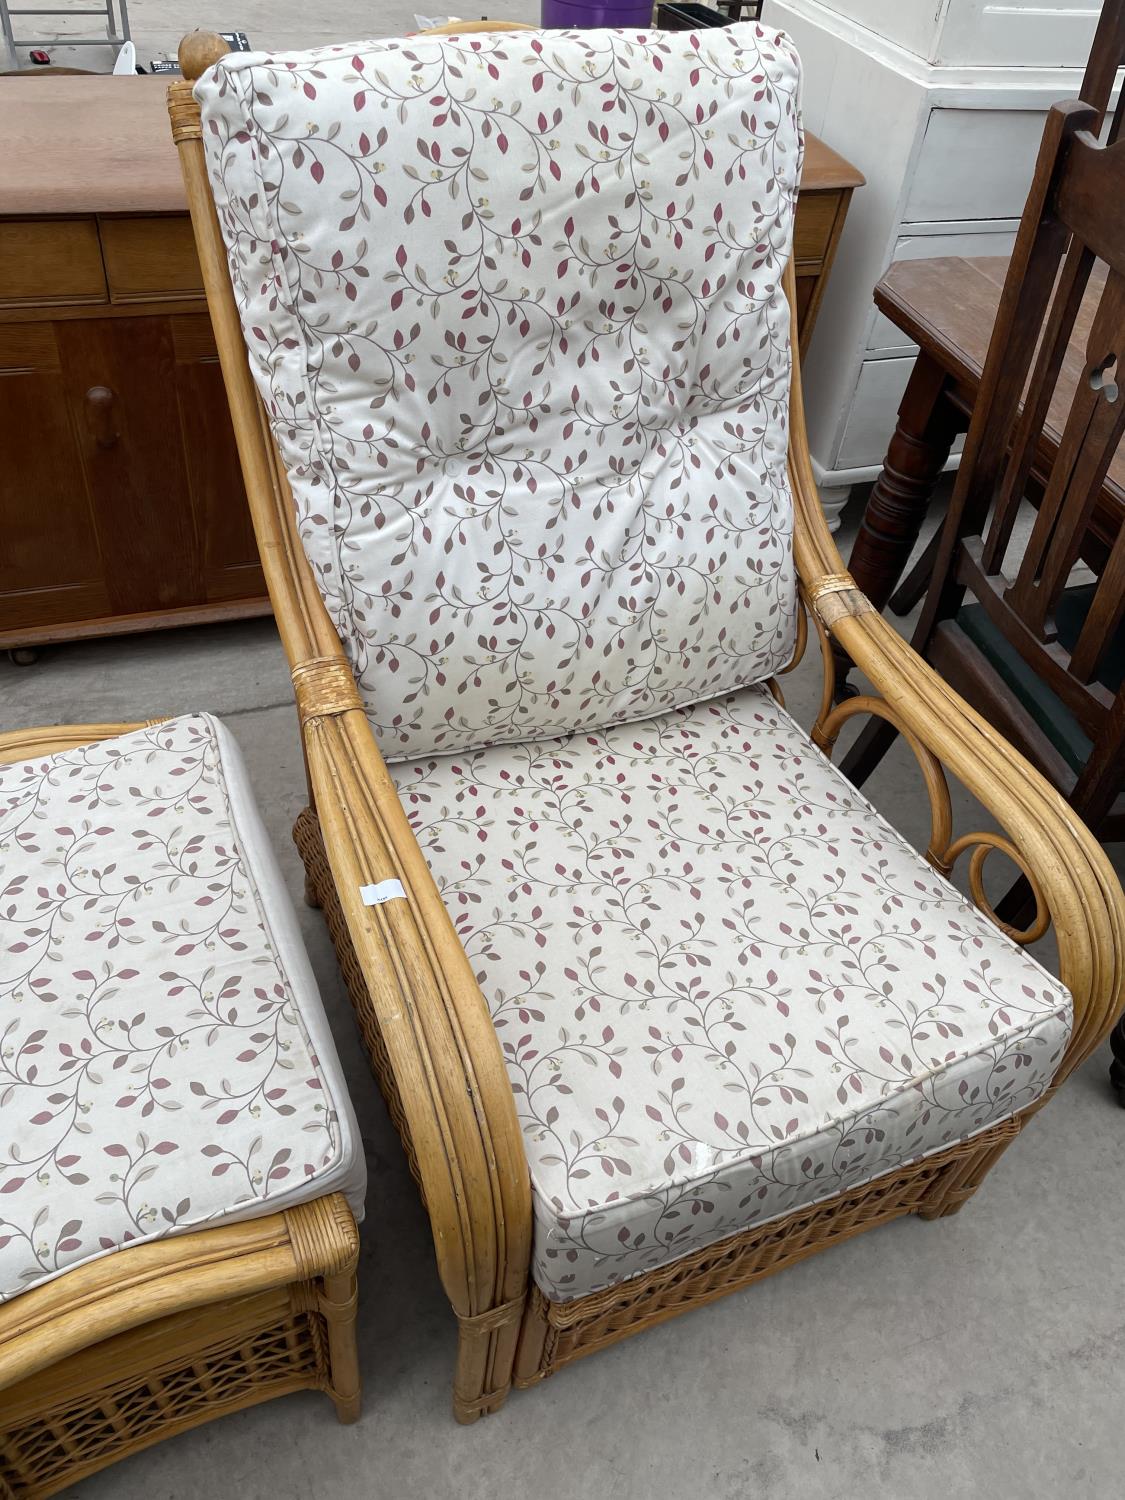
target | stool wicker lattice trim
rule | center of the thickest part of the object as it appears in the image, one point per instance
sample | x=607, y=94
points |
x=151, y=1340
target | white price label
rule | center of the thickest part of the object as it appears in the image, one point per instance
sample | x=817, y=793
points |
x=386, y=890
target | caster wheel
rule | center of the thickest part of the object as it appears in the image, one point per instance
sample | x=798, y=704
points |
x=23, y=656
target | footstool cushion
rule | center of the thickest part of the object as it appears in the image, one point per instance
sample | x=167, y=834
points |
x=165, y=1060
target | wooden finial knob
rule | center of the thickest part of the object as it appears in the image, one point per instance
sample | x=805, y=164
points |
x=198, y=51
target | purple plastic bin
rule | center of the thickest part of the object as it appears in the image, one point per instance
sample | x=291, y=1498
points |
x=572, y=15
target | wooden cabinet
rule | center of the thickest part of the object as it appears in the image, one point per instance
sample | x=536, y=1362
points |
x=827, y=184
x=121, y=499
x=49, y=567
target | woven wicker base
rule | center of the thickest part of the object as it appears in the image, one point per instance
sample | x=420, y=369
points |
x=555, y=1333
x=168, y=1376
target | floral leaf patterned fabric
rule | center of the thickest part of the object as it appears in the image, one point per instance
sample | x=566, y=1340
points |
x=725, y=988
x=164, y=1058
x=513, y=302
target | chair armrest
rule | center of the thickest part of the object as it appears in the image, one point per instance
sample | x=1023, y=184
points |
x=1080, y=890
x=428, y=1013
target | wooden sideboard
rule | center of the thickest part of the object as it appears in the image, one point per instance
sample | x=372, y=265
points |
x=121, y=501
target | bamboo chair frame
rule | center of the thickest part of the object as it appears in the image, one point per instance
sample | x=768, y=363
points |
x=133, y=1347
x=422, y=1016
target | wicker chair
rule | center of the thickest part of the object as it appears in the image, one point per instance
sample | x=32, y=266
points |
x=639, y=1208
x=117, y=1329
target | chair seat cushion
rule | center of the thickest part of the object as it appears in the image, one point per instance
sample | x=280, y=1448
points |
x=165, y=1061
x=514, y=305
x=725, y=988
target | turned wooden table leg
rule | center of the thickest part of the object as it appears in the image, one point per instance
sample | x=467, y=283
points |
x=897, y=505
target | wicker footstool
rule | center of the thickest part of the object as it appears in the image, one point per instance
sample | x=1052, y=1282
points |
x=180, y=1167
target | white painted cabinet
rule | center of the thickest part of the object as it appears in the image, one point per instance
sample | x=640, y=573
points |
x=977, y=33
x=940, y=103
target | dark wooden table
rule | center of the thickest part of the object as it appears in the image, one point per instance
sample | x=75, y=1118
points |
x=948, y=306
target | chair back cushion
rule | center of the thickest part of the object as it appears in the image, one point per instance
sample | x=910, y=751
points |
x=514, y=305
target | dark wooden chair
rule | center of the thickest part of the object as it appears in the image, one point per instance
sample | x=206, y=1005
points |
x=1107, y=55
x=1007, y=619
x=897, y=504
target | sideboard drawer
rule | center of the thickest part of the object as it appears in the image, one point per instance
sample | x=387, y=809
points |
x=50, y=261
x=812, y=226
x=150, y=258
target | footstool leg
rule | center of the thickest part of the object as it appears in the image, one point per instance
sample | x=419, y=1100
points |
x=338, y=1303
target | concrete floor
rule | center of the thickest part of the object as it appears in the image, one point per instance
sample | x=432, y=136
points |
x=982, y=1355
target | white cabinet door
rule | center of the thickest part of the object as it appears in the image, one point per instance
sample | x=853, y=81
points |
x=874, y=412
x=871, y=421
x=1004, y=34
x=975, y=164
x=914, y=26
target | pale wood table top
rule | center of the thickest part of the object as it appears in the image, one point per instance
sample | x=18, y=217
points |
x=87, y=145
x=82, y=145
